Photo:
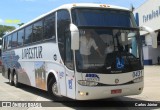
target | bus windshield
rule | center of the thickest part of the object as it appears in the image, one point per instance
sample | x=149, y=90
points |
x=109, y=41
x=103, y=18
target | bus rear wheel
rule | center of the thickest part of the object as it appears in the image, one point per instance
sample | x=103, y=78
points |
x=53, y=90
x=10, y=80
x=15, y=79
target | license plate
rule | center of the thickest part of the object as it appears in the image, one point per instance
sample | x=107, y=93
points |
x=117, y=91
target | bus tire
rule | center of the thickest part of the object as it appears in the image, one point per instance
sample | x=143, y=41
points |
x=15, y=79
x=11, y=79
x=53, y=90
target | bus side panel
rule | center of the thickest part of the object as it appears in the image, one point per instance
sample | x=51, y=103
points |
x=40, y=75
x=70, y=82
x=25, y=73
x=32, y=63
x=59, y=72
x=4, y=72
x=10, y=61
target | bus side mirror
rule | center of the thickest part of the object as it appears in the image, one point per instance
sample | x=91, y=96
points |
x=152, y=34
x=74, y=37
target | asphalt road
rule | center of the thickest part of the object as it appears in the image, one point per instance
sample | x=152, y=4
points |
x=151, y=92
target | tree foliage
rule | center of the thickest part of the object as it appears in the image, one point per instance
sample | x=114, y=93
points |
x=20, y=24
x=4, y=29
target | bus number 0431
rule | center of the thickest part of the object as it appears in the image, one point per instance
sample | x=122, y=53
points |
x=137, y=74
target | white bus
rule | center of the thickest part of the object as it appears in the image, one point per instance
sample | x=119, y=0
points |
x=53, y=53
x=0, y=54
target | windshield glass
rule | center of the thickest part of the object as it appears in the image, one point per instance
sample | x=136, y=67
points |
x=108, y=50
x=103, y=18
x=109, y=41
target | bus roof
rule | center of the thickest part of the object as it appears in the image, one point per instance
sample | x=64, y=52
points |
x=70, y=6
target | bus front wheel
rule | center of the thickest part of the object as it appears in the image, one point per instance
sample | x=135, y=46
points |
x=53, y=90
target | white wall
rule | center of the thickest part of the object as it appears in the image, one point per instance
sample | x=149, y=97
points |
x=150, y=53
x=149, y=15
x=148, y=39
x=146, y=53
x=149, y=7
x=153, y=54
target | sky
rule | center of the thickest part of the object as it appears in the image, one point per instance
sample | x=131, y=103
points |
x=13, y=12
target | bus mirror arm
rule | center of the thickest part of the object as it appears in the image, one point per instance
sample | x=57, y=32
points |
x=74, y=37
x=152, y=34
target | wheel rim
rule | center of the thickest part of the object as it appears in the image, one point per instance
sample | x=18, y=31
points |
x=55, y=89
x=15, y=79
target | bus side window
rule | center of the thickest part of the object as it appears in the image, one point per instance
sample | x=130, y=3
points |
x=0, y=41
x=14, y=40
x=68, y=51
x=28, y=34
x=9, y=42
x=64, y=36
x=63, y=21
x=5, y=43
x=20, y=37
x=49, y=27
x=37, y=31
x=0, y=52
x=0, y=47
x=6, y=40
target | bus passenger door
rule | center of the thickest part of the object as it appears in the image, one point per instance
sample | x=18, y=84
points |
x=64, y=42
x=70, y=83
x=70, y=75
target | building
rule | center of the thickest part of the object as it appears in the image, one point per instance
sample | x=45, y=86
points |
x=148, y=14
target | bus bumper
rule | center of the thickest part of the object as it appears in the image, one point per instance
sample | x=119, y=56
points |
x=91, y=93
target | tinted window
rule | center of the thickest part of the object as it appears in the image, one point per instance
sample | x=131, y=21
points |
x=158, y=38
x=20, y=37
x=5, y=43
x=49, y=27
x=14, y=40
x=0, y=41
x=63, y=21
x=9, y=42
x=101, y=17
x=28, y=35
x=37, y=31
x=68, y=51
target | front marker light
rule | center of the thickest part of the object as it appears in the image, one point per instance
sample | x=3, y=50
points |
x=139, y=79
x=82, y=93
x=87, y=83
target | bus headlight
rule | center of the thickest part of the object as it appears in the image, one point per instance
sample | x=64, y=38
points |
x=87, y=83
x=139, y=79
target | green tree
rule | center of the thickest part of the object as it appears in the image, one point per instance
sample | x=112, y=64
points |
x=20, y=24
x=4, y=29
